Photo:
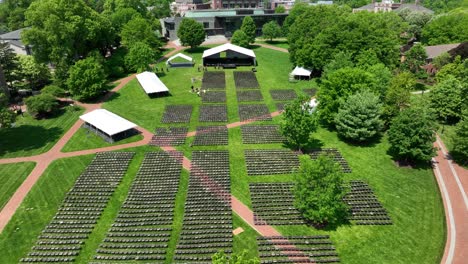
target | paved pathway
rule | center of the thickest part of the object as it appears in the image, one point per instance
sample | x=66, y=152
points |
x=272, y=47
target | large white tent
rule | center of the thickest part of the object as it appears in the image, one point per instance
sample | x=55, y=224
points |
x=233, y=55
x=301, y=72
x=150, y=82
x=189, y=60
x=107, y=124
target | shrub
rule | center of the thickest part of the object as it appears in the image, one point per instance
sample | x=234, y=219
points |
x=41, y=105
x=54, y=90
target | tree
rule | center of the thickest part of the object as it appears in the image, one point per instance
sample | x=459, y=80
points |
x=7, y=117
x=122, y=16
x=280, y=10
x=442, y=60
x=358, y=119
x=63, y=31
x=54, y=90
x=412, y=134
x=271, y=30
x=111, y=6
x=458, y=69
x=382, y=76
x=239, y=38
x=249, y=28
x=297, y=10
x=298, y=123
x=460, y=140
x=446, y=99
x=415, y=58
x=191, y=33
x=337, y=86
x=221, y=258
x=340, y=60
x=416, y=20
x=41, y=105
x=139, y=30
x=446, y=28
x=139, y=57
x=322, y=31
x=37, y=74
x=87, y=79
x=8, y=64
x=398, y=95
x=319, y=190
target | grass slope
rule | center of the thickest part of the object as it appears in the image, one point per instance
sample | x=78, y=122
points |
x=39, y=206
x=31, y=137
x=11, y=177
x=83, y=139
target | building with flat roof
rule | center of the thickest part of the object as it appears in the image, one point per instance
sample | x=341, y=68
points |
x=221, y=22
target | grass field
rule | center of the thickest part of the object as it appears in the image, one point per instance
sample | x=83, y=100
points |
x=83, y=139
x=410, y=195
x=31, y=137
x=280, y=43
x=11, y=177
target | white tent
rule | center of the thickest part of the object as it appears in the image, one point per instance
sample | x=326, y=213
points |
x=151, y=83
x=180, y=55
x=107, y=122
x=300, y=71
x=233, y=53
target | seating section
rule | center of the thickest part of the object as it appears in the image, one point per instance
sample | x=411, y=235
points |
x=211, y=136
x=143, y=225
x=213, y=97
x=364, y=207
x=213, y=113
x=273, y=204
x=207, y=226
x=261, y=134
x=249, y=96
x=335, y=154
x=245, y=79
x=62, y=239
x=269, y=162
x=177, y=114
x=281, y=106
x=283, y=95
x=297, y=249
x=254, y=112
x=214, y=80
x=169, y=136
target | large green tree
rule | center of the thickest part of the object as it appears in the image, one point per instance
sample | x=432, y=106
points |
x=8, y=63
x=415, y=58
x=249, y=28
x=271, y=30
x=191, y=33
x=460, y=140
x=358, y=119
x=139, y=57
x=398, y=95
x=416, y=21
x=446, y=28
x=37, y=74
x=412, y=134
x=322, y=31
x=139, y=30
x=87, y=79
x=446, y=99
x=7, y=117
x=298, y=122
x=297, y=10
x=319, y=191
x=337, y=86
x=239, y=38
x=63, y=31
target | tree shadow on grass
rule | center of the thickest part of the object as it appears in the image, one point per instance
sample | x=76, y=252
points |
x=199, y=49
x=372, y=142
x=27, y=138
x=311, y=145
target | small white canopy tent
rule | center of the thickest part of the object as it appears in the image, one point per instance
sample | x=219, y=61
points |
x=150, y=82
x=301, y=73
x=234, y=55
x=189, y=61
x=107, y=124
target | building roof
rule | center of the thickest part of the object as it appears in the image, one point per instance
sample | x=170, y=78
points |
x=228, y=46
x=150, y=82
x=414, y=8
x=435, y=51
x=179, y=55
x=220, y=13
x=300, y=71
x=369, y=7
x=107, y=122
x=13, y=35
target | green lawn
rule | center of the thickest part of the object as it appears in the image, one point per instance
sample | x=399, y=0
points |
x=11, y=177
x=410, y=196
x=39, y=206
x=83, y=139
x=280, y=43
x=31, y=137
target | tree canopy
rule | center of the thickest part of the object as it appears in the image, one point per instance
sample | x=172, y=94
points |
x=415, y=58
x=87, y=79
x=139, y=57
x=37, y=74
x=239, y=38
x=398, y=95
x=446, y=28
x=460, y=140
x=249, y=28
x=319, y=190
x=191, y=33
x=412, y=134
x=41, y=105
x=139, y=30
x=271, y=30
x=358, y=119
x=446, y=99
x=298, y=123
